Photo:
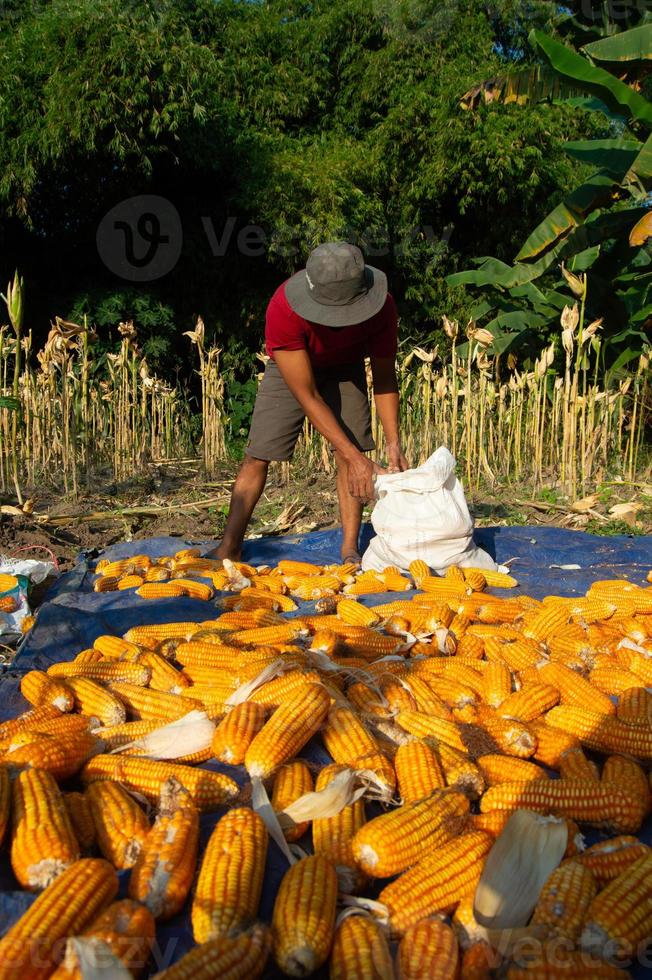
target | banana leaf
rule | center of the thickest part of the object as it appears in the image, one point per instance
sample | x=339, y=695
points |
x=642, y=165
x=615, y=156
x=617, y=95
x=632, y=45
x=570, y=213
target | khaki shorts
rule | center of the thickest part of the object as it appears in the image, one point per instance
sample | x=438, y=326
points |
x=278, y=418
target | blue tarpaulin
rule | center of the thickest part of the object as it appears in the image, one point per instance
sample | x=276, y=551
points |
x=73, y=616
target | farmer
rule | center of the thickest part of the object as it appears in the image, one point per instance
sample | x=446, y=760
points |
x=319, y=327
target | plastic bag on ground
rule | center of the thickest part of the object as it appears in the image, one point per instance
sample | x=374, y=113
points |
x=16, y=575
x=423, y=514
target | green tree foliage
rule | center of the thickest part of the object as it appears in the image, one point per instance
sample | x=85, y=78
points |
x=338, y=117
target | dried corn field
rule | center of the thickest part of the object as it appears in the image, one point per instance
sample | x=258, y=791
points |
x=69, y=411
x=473, y=733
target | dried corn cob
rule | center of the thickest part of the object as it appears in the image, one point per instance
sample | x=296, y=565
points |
x=620, y=916
x=279, y=690
x=546, y=622
x=160, y=590
x=461, y=772
x=518, y=653
x=120, y=824
x=81, y=819
x=595, y=804
x=163, y=676
x=259, y=636
x=130, y=582
x=511, y=737
x=428, y=949
x=31, y=947
x=625, y=773
x=63, y=725
x=236, y=731
x=496, y=683
x=551, y=743
x=333, y=836
x=354, y=613
x=418, y=570
x=395, y=840
x=149, y=637
x=125, y=928
x=116, y=670
x=531, y=702
x=93, y=700
x=418, y=771
x=639, y=663
x=43, y=843
x=575, y=690
x=287, y=731
x=609, y=858
x=61, y=755
x=345, y=737
x=37, y=688
x=304, y=916
x=360, y=951
x=89, y=656
x=292, y=780
x=146, y=705
x=497, y=769
x=242, y=957
x=209, y=790
x=368, y=701
x=602, y=733
x=288, y=567
x=108, y=583
x=565, y=899
x=164, y=869
x=479, y=961
x=573, y=764
x=369, y=586
x=115, y=648
x=635, y=707
x=437, y=883
x=612, y=679
x=231, y=876
x=423, y=726
x=428, y=703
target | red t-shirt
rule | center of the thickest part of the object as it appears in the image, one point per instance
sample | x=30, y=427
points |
x=329, y=346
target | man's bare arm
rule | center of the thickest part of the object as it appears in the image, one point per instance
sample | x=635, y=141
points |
x=386, y=397
x=296, y=371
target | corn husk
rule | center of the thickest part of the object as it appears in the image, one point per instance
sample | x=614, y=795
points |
x=523, y=857
x=328, y=802
x=187, y=735
x=96, y=961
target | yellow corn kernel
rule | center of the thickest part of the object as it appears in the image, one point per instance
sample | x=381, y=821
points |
x=236, y=732
x=143, y=703
x=618, y=918
x=32, y=946
x=125, y=928
x=120, y=824
x=292, y=781
x=333, y=836
x=596, y=804
x=573, y=764
x=231, y=876
x=303, y=920
x=360, y=951
x=81, y=818
x=609, y=858
x=635, y=707
x=428, y=949
x=565, y=899
x=531, y=702
x=506, y=769
x=208, y=790
x=396, y=840
x=61, y=755
x=629, y=776
x=293, y=723
x=551, y=743
x=93, y=700
x=38, y=688
x=418, y=770
x=438, y=882
x=43, y=842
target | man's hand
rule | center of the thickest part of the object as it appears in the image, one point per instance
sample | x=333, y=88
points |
x=396, y=461
x=361, y=472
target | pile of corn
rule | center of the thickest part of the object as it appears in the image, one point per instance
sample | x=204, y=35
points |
x=447, y=707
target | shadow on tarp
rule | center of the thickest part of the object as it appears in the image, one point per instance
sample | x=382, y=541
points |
x=73, y=616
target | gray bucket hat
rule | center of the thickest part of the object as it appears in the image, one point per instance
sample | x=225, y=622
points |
x=336, y=288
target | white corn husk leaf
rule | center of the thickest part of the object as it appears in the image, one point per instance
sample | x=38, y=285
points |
x=328, y=802
x=260, y=802
x=628, y=644
x=378, y=911
x=96, y=961
x=185, y=736
x=237, y=581
x=268, y=673
x=519, y=863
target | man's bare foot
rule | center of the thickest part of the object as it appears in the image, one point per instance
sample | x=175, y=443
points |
x=220, y=554
x=350, y=557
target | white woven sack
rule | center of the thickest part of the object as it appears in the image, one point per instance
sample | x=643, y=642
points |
x=422, y=513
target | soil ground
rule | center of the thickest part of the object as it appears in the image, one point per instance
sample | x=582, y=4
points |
x=177, y=500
